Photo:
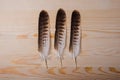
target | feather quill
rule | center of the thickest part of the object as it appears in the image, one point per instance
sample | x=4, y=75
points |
x=60, y=33
x=44, y=35
x=75, y=36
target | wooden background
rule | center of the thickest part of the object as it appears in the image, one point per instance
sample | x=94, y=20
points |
x=100, y=56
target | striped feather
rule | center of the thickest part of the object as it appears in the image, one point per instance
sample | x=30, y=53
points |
x=60, y=33
x=44, y=35
x=75, y=36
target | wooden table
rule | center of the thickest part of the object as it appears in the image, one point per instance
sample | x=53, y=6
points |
x=100, y=56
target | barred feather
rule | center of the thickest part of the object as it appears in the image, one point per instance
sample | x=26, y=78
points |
x=60, y=33
x=75, y=36
x=44, y=35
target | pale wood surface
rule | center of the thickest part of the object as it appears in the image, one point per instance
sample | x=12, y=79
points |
x=100, y=56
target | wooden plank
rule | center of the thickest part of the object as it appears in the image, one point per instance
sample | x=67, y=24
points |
x=99, y=59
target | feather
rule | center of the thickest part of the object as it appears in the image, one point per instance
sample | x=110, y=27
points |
x=75, y=36
x=60, y=33
x=44, y=35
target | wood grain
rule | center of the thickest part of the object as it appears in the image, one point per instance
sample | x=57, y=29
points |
x=100, y=56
